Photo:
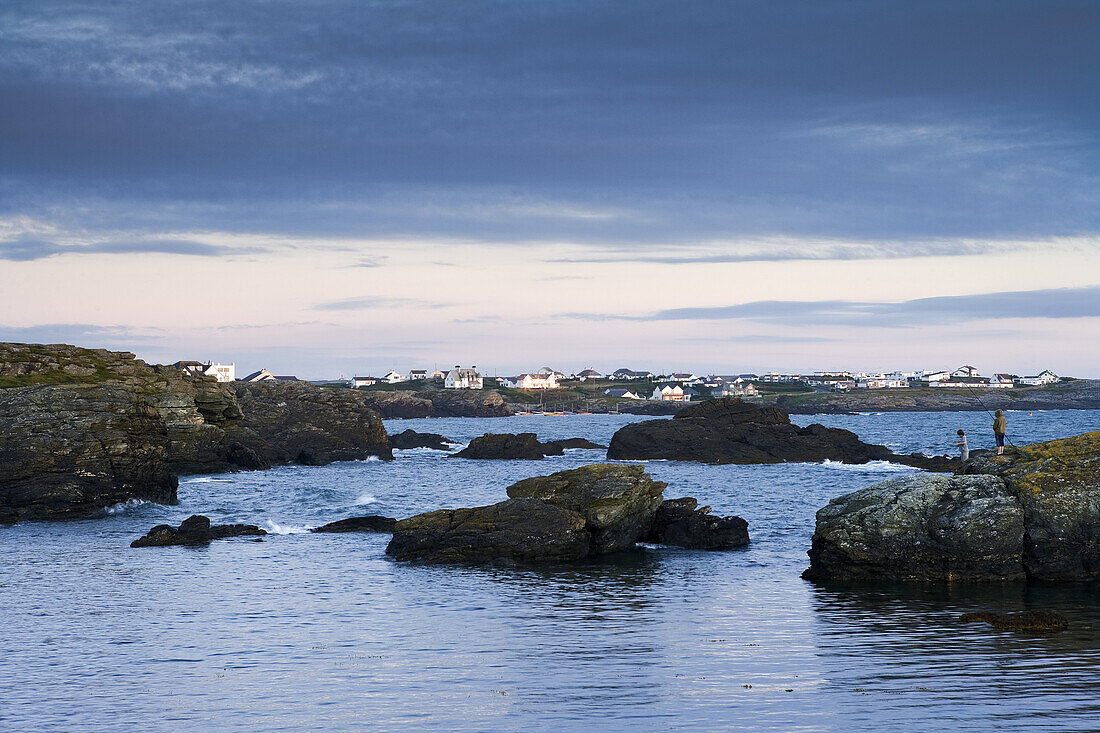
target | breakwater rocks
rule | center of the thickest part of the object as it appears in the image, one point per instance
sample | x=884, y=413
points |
x=437, y=403
x=567, y=515
x=1031, y=514
x=730, y=430
x=82, y=429
x=195, y=530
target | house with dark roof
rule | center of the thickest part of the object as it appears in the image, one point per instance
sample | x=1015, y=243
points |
x=262, y=375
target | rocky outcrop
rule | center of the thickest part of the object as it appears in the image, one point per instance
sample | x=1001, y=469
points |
x=682, y=523
x=564, y=516
x=518, y=530
x=437, y=403
x=82, y=429
x=411, y=439
x=574, y=443
x=1035, y=620
x=521, y=446
x=1033, y=513
x=730, y=430
x=195, y=530
x=922, y=527
x=67, y=451
x=370, y=523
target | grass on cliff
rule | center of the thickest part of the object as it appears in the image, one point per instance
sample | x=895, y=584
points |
x=36, y=354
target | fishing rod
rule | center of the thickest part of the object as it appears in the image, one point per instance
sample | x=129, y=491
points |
x=979, y=399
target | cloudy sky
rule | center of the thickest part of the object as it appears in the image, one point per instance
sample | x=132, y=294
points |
x=329, y=188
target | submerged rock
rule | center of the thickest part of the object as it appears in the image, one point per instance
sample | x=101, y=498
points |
x=567, y=515
x=516, y=529
x=411, y=439
x=370, y=523
x=681, y=523
x=195, y=530
x=1020, y=621
x=571, y=443
x=729, y=430
x=922, y=527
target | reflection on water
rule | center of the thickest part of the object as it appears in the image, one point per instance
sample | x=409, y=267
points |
x=319, y=632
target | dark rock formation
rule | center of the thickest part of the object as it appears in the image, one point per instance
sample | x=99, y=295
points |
x=1057, y=484
x=411, y=439
x=679, y=522
x=81, y=429
x=617, y=502
x=1045, y=621
x=437, y=403
x=571, y=443
x=564, y=516
x=922, y=527
x=67, y=451
x=524, y=446
x=730, y=430
x=517, y=529
x=371, y=523
x=195, y=530
x=1033, y=513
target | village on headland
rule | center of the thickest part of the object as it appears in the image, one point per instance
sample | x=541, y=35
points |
x=645, y=385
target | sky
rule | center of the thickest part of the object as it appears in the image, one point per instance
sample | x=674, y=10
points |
x=331, y=188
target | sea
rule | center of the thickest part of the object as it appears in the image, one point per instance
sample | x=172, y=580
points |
x=304, y=632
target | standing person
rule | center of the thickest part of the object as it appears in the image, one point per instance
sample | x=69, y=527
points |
x=1000, y=426
x=964, y=451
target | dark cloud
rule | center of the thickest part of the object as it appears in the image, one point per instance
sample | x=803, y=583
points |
x=610, y=122
x=26, y=249
x=1053, y=303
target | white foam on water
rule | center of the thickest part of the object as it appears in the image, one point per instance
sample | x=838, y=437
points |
x=421, y=451
x=203, y=480
x=274, y=527
x=882, y=466
x=365, y=499
x=124, y=506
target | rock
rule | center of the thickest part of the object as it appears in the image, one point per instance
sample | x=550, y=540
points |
x=371, y=523
x=412, y=439
x=678, y=522
x=1021, y=621
x=617, y=502
x=729, y=430
x=922, y=527
x=195, y=530
x=521, y=530
x=67, y=451
x=1057, y=483
x=523, y=446
x=571, y=443
x=437, y=403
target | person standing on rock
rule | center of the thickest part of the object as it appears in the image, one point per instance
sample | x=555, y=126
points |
x=964, y=451
x=1000, y=427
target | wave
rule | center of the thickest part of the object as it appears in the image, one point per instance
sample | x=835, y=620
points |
x=124, y=507
x=274, y=527
x=879, y=466
x=203, y=480
x=366, y=499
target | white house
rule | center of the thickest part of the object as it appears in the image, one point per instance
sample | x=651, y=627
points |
x=629, y=374
x=589, y=374
x=741, y=389
x=670, y=393
x=459, y=378
x=937, y=376
x=686, y=378
x=1044, y=377
x=532, y=381
x=357, y=382
x=221, y=372
x=392, y=377
x=415, y=374
x=882, y=382
x=965, y=371
x=437, y=374
x=261, y=376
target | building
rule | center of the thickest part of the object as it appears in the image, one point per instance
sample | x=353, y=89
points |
x=392, y=377
x=625, y=394
x=286, y=378
x=588, y=374
x=531, y=381
x=882, y=382
x=685, y=378
x=965, y=371
x=221, y=372
x=459, y=378
x=261, y=376
x=742, y=389
x=629, y=374
x=357, y=382
x=670, y=393
x=436, y=374
x=1044, y=377
x=416, y=374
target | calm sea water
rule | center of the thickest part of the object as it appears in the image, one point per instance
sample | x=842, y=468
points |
x=323, y=632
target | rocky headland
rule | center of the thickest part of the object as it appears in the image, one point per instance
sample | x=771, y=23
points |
x=82, y=429
x=1031, y=514
x=436, y=403
x=731, y=430
x=567, y=515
